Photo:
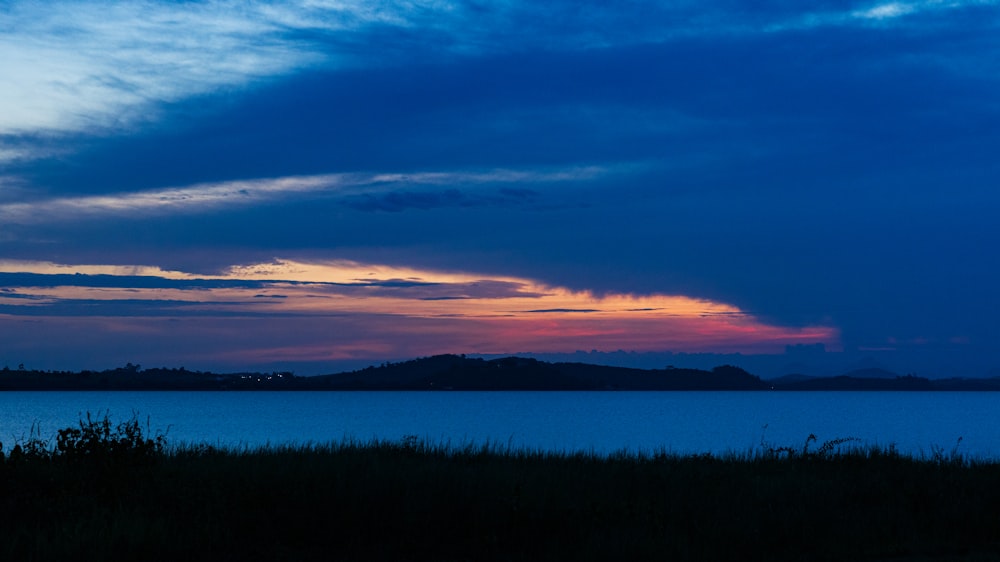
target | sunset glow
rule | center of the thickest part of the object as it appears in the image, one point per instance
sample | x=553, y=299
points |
x=316, y=185
x=421, y=312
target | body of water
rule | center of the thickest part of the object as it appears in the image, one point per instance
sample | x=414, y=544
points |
x=681, y=422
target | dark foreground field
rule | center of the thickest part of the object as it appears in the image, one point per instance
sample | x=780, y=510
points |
x=103, y=492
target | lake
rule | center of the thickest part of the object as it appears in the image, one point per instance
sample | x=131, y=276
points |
x=603, y=422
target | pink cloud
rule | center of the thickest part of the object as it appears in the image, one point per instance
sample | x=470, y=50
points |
x=346, y=311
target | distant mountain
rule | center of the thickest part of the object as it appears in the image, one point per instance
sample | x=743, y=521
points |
x=789, y=379
x=968, y=384
x=875, y=378
x=844, y=382
x=871, y=373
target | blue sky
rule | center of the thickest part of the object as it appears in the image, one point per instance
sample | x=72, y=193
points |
x=321, y=185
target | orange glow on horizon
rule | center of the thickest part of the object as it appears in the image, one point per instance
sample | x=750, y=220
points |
x=406, y=311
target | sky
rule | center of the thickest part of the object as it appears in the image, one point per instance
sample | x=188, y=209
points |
x=322, y=185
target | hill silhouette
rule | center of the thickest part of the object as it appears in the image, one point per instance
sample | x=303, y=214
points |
x=458, y=372
x=440, y=372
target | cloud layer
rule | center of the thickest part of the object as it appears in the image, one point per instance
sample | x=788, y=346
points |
x=830, y=165
x=409, y=312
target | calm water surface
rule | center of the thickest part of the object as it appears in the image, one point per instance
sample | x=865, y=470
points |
x=683, y=422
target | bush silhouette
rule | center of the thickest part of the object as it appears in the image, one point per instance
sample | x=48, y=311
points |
x=96, y=439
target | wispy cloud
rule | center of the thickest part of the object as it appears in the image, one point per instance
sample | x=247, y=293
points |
x=72, y=66
x=891, y=10
x=341, y=286
x=878, y=13
x=90, y=66
x=362, y=191
x=886, y=11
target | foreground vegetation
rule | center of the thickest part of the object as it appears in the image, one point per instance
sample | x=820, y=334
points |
x=111, y=492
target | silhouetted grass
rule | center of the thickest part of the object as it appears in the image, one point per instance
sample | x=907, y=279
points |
x=409, y=500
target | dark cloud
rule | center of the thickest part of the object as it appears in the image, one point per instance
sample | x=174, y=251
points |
x=519, y=193
x=400, y=201
x=10, y=294
x=396, y=201
x=822, y=173
x=131, y=308
x=869, y=96
x=565, y=310
x=121, y=281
